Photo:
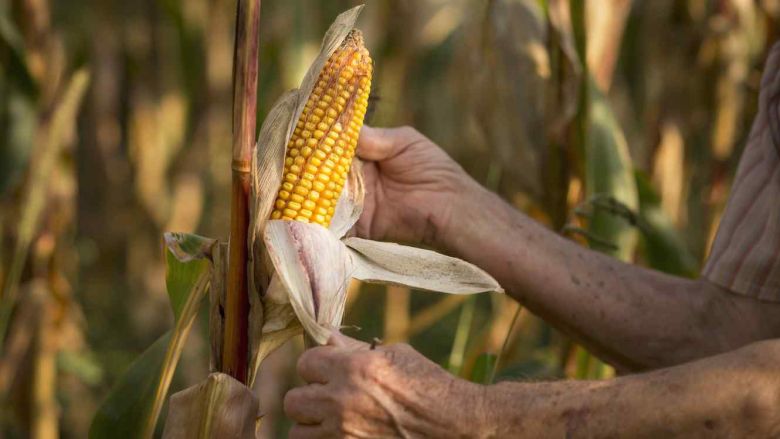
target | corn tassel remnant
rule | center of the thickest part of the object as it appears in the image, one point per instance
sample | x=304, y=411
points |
x=320, y=151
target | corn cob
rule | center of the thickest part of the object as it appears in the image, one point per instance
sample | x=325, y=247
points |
x=320, y=151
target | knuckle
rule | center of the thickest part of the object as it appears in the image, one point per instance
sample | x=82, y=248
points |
x=409, y=133
x=290, y=402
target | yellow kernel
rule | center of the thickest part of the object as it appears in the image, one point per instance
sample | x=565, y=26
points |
x=322, y=211
x=305, y=183
x=305, y=213
x=310, y=126
x=300, y=190
x=293, y=152
x=276, y=214
x=299, y=161
x=323, y=177
x=319, y=112
x=287, y=186
x=310, y=168
x=294, y=205
x=320, y=219
x=315, y=160
x=299, y=142
x=295, y=198
x=284, y=195
x=295, y=169
x=312, y=143
x=306, y=151
x=291, y=178
x=329, y=140
x=319, y=134
x=280, y=204
x=308, y=176
x=314, y=195
x=302, y=219
x=329, y=195
x=306, y=134
x=288, y=161
x=318, y=186
x=332, y=113
x=309, y=204
x=320, y=155
x=289, y=213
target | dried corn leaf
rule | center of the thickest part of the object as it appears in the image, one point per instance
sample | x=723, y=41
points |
x=219, y=407
x=386, y=262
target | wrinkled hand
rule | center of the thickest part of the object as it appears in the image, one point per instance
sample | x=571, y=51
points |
x=412, y=186
x=392, y=391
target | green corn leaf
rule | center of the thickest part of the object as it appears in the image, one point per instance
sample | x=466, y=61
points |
x=662, y=245
x=134, y=404
x=609, y=182
x=483, y=369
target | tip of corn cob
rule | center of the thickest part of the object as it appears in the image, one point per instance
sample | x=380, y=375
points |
x=320, y=151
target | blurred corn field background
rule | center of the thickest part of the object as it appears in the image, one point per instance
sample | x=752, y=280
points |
x=618, y=123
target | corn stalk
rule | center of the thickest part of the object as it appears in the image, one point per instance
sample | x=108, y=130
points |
x=235, y=354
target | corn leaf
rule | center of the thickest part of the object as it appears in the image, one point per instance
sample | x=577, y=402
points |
x=218, y=407
x=662, y=245
x=609, y=175
x=134, y=404
x=483, y=369
x=384, y=262
x=127, y=407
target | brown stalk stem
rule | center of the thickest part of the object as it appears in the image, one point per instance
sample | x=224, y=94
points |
x=235, y=354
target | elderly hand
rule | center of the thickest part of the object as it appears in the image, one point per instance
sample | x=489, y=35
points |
x=392, y=391
x=412, y=187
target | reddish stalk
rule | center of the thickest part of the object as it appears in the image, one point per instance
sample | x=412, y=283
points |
x=235, y=354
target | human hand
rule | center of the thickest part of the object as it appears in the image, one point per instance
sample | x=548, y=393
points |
x=413, y=187
x=390, y=391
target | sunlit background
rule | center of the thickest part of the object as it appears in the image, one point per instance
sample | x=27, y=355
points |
x=497, y=83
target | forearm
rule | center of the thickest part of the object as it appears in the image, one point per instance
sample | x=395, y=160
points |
x=731, y=395
x=633, y=317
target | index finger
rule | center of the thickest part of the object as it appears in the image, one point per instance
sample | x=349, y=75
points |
x=314, y=364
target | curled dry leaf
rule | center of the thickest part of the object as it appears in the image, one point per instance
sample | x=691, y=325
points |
x=386, y=262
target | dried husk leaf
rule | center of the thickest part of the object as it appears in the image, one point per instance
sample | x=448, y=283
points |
x=350, y=204
x=314, y=267
x=267, y=168
x=219, y=407
x=384, y=262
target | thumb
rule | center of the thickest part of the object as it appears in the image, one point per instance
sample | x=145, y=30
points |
x=378, y=144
